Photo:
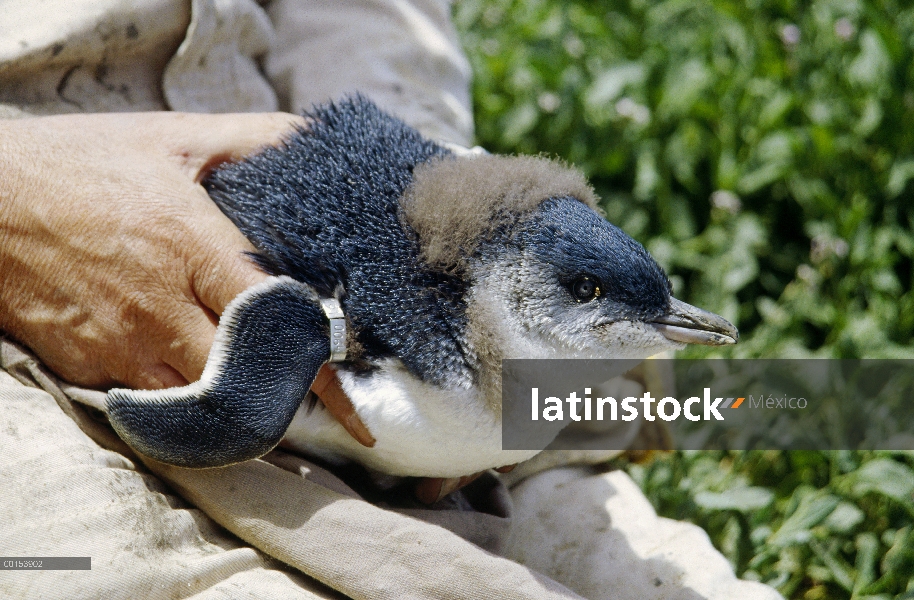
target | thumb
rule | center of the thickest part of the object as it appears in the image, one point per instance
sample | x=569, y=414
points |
x=219, y=267
x=218, y=261
x=215, y=283
x=218, y=280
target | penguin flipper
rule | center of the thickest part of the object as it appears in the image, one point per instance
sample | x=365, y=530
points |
x=271, y=341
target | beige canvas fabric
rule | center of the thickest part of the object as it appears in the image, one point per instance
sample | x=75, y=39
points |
x=87, y=55
x=618, y=547
x=234, y=56
x=406, y=53
x=72, y=488
x=282, y=527
x=65, y=495
x=220, y=52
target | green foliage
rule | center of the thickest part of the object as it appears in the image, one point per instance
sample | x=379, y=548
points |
x=812, y=524
x=763, y=151
x=760, y=150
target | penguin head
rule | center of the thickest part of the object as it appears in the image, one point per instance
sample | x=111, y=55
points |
x=549, y=276
x=569, y=284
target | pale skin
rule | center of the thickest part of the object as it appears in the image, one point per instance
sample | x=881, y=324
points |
x=115, y=263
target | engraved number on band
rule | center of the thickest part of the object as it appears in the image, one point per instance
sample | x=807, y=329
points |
x=334, y=312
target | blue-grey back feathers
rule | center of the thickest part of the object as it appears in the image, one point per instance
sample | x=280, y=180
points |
x=325, y=209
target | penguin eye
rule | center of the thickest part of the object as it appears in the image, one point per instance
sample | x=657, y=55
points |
x=585, y=288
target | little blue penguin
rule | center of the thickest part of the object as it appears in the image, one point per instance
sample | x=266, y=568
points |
x=402, y=274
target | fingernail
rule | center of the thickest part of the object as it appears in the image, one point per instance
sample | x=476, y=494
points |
x=428, y=490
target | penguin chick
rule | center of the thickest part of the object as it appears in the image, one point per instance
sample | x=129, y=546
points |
x=443, y=266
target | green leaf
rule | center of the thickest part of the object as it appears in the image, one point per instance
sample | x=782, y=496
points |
x=900, y=556
x=844, y=518
x=883, y=476
x=683, y=86
x=610, y=84
x=812, y=510
x=840, y=572
x=519, y=122
x=902, y=172
x=647, y=176
x=739, y=499
x=872, y=65
x=755, y=180
x=867, y=560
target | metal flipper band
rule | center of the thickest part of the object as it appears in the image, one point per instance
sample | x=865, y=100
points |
x=334, y=312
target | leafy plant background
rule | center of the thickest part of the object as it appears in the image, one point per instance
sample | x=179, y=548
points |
x=763, y=152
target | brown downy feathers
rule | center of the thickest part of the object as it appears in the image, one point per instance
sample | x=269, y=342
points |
x=454, y=203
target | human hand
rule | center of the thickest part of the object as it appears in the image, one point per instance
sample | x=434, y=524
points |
x=115, y=263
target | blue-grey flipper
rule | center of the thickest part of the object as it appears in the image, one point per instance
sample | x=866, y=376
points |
x=271, y=341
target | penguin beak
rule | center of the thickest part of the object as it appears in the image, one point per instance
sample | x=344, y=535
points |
x=691, y=325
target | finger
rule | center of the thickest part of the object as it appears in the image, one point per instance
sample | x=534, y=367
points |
x=155, y=376
x=223, y=276
x=204, y=141
x=215, y=254
x=189, y=349
x=328, y=389
x=429, y=490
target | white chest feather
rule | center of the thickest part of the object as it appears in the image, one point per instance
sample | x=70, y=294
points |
x=421, y=429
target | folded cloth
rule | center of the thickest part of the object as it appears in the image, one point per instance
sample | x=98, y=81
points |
x=72, y=488
x=296, y=530
x=66, y=56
